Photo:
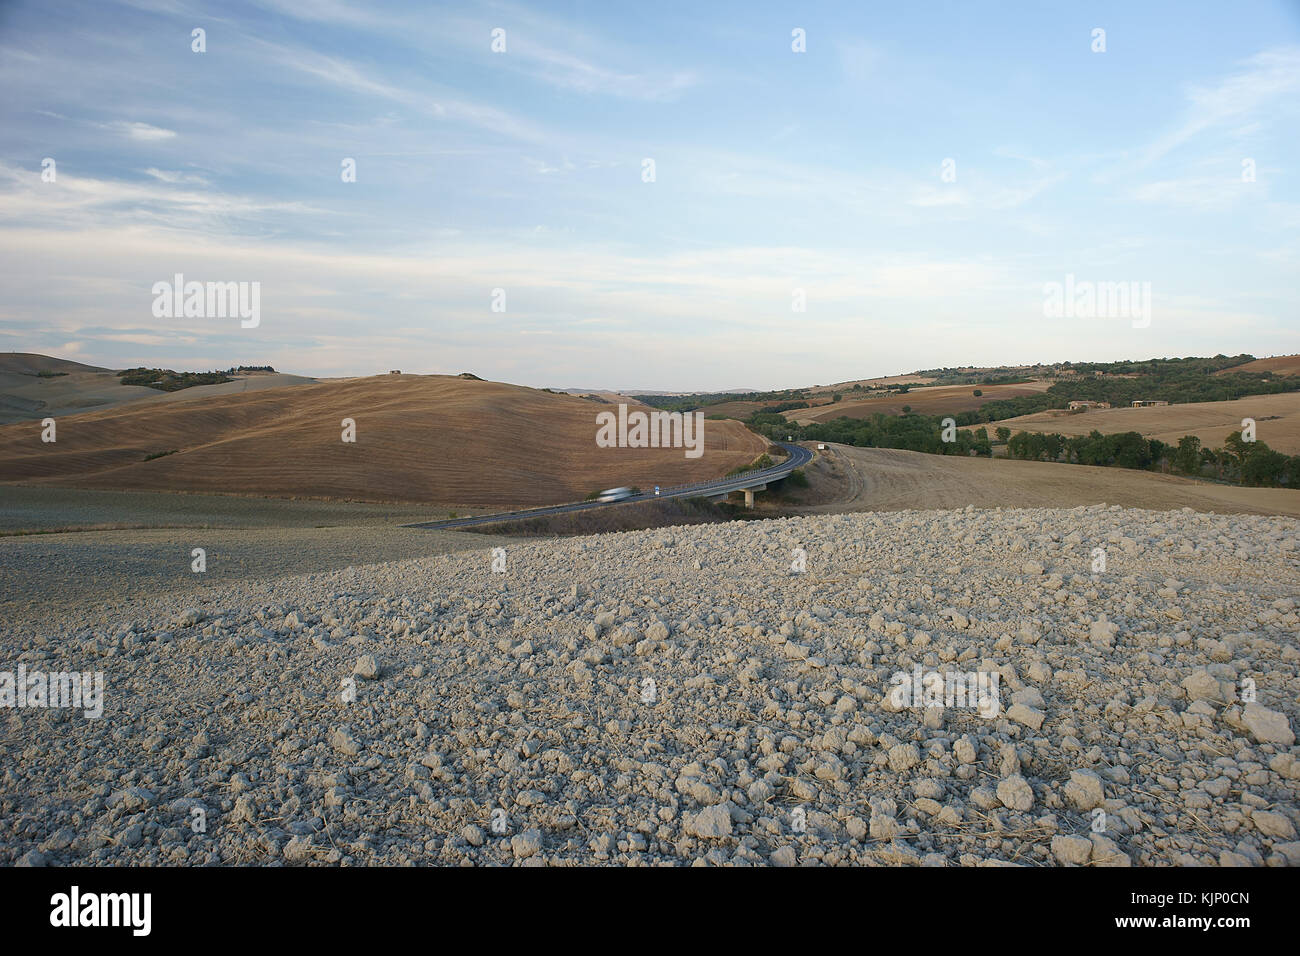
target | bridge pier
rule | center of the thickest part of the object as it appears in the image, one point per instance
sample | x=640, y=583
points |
x=749, y=494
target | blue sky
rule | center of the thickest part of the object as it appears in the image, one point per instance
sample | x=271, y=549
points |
x=522, y=171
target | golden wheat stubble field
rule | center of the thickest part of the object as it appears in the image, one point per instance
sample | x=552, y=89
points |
x=1277, y=421
x=419, y=438
x=845, y=478
x=924, y=400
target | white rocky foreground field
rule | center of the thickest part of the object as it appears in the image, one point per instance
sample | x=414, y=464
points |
x=685, y=696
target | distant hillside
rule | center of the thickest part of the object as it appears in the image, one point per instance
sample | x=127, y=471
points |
x=32, y=363
x=35, y=386
x=922, y=399
x=1278, y=365
x=420, y=438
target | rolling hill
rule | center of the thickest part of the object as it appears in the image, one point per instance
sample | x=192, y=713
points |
x=924, y=400
x=34, y=386
x=419, y=438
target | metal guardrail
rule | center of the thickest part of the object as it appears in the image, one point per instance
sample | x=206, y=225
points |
x=797, y=456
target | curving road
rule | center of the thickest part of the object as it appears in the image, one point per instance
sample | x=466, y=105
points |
x=798, y=457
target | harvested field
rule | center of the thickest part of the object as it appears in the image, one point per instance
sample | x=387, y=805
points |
x=682, y=696
x=63, y=548
x=737, y=410
x=885, y=479
x=1277, y=421
x=924, y=400
x=882, y=380
x=1278, y=365
x=419, y=438
x=743, y=410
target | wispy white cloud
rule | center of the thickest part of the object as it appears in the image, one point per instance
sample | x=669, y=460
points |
x=174, y=177
x=82, y=202
x=349, y=76
x=569, y=71
x=143, y=132
x=540, y=46
x=1268, y=82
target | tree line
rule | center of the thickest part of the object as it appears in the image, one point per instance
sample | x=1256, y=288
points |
x=1245, y=462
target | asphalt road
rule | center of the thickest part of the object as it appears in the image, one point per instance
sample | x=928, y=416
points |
x=798, y=458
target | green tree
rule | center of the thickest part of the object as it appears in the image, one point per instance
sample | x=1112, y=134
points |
x=1187, y=459
x=1264, y=466
x=1159, y=451
x=1020, y=444
x=1131, y=450
x=1003, y=433
x=1236, y=449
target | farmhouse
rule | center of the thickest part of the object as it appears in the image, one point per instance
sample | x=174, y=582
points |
x=1143, y=402
x=1074, y=406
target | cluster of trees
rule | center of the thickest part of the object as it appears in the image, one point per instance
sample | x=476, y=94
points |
x=1122, y=449
x=1250, y=463
x=1159, y=366
x=1001, y=375
x=167, y=380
